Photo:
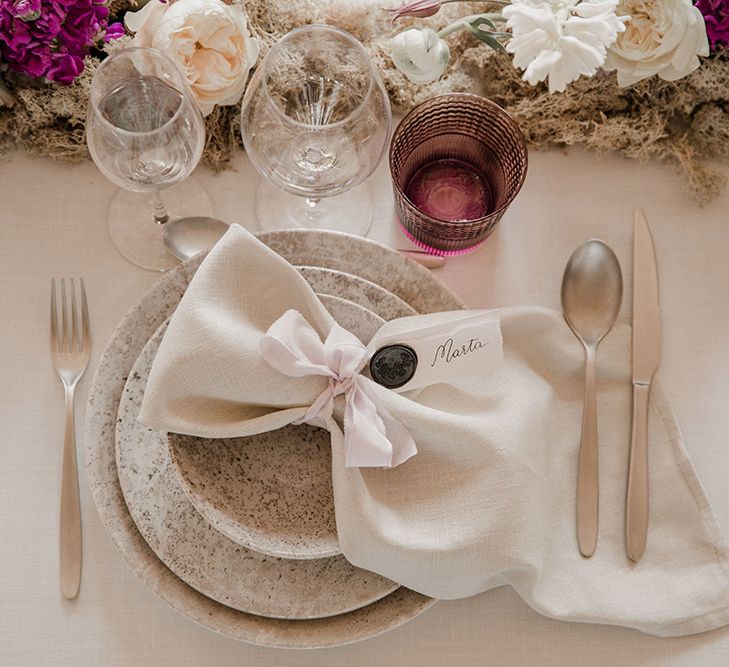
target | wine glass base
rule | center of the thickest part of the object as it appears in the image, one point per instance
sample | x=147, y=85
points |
x=138, y=237
x=350, y=212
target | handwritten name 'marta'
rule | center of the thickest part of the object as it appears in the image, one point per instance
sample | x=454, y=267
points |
x=449, y=351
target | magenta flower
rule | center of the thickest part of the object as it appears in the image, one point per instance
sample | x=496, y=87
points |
x=114, y=31
x=716, y=16
x=48, y=39
x=65, y=68
x=27, y=10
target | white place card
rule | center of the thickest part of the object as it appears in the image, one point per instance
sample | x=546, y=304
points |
x=460, y=347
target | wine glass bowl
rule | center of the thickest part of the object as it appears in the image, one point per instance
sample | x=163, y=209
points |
x=144, y=130
x=315, y=122
x=146, y=134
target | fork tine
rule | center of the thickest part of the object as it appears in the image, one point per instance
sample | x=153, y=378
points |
x=65, y=337
x=86, y=341
x=54, y=317
x=75, y=335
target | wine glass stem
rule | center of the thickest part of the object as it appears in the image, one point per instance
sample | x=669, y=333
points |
x=160, y=211
x=312, y=203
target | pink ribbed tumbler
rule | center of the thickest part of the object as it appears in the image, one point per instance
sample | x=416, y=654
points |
x=457, y=162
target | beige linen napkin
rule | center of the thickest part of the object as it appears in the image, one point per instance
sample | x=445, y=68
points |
x=489, y=498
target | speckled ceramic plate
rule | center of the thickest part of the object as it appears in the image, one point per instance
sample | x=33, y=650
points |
x=411, y=282
x=357, y=290
x=272, y=492
x=211, y=563
x=372, y=261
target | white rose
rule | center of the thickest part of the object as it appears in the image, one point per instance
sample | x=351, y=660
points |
x=420, y=55
x=663, y=37
x=210, y=41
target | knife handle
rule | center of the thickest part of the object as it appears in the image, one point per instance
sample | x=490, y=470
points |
x=587, y=469
x=636, y=501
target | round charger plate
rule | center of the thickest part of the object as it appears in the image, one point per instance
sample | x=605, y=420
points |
x=272, y=492
x=411, y=282
x=221, y=569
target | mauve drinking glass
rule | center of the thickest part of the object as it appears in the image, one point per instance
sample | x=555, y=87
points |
x=457, y=162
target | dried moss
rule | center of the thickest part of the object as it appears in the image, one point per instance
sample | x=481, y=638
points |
x=681, y=123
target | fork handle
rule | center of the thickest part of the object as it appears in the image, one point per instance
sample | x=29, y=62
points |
x=70, y=520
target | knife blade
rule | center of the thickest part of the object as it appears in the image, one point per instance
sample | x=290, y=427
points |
x=646, y=357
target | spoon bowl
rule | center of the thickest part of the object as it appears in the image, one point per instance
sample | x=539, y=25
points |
x=186, y=237
x=592, y=291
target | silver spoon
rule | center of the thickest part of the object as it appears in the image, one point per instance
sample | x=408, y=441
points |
x=186, y=237
x=592, y=290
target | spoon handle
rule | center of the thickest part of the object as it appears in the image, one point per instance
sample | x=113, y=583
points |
x=587, y=470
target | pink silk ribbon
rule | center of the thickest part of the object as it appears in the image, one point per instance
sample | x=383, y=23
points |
x=372, y=436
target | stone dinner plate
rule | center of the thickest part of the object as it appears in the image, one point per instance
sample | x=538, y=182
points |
x=372, y=261
x=221, y=569
x=412, y=283
x=355, y=289
x=272, y=492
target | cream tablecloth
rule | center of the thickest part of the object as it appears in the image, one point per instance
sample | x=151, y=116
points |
x=52, y=224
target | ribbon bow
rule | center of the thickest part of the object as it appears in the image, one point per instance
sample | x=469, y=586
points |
x=372, y=436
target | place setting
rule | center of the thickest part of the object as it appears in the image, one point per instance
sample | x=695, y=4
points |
x=211, y=488
x=302, y=438
x=189, y=496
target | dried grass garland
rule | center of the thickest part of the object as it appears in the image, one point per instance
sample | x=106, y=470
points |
x=681, y=123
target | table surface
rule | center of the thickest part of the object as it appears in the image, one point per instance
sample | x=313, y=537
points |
x=52, y=223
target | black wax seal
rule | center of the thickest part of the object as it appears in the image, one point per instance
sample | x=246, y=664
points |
x=393, y=366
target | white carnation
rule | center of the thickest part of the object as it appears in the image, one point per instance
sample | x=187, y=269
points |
x=560, y=40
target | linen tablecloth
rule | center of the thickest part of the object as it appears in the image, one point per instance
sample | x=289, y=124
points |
x=51, y=224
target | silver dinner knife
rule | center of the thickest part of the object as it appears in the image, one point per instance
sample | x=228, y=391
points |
x=646, y=355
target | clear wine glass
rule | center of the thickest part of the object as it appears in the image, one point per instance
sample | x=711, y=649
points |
x=146, y=134
x=315, y=122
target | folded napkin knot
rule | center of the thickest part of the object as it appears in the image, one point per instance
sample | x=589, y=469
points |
x=372, y=436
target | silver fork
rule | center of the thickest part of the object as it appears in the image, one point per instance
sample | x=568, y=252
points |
x=70, y=347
